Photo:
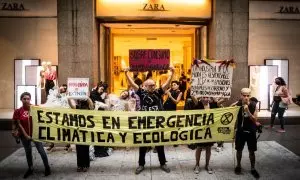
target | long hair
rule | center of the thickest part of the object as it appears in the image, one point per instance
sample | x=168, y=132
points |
x=282, y=82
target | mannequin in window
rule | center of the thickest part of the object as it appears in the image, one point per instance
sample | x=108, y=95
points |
x=42, y=82
x=50, y=78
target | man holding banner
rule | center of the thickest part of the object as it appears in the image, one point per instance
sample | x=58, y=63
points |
x=151, y=100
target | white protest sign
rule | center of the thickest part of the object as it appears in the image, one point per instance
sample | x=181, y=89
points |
x=78, y=88
x=211, y=80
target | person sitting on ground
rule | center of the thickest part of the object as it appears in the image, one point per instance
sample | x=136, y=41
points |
x=59, y=100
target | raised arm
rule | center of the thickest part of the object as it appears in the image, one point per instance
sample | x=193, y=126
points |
x=167, y=83
x=131, y=81
x=195, y=100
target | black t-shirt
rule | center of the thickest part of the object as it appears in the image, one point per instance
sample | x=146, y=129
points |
x=244, y=123
x=95, y=96
x=169, y=104
x=151, y=101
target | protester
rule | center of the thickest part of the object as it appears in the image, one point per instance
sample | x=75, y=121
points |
x=99, y=94
x=278, y=105
x=183, y=85
x=219, y=101
x=134, y=102
x=151, y=100
x=174, y=97
x=119, y=103
x=24, y=131
x=82, y=151
x=58, y=100
x=246, y=130
x=99, y=97
x=203, y=103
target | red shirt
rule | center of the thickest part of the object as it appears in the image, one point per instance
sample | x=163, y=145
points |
x=22, y=115
x=50, y=75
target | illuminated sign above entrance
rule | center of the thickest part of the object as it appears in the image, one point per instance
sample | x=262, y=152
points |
x=153, y=7
x=165, y=9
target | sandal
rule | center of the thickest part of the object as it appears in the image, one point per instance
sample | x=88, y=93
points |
x=209, y=170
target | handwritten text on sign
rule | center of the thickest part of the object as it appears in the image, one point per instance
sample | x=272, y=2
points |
x=149, y=59
x=78, y=87
x=211, y=81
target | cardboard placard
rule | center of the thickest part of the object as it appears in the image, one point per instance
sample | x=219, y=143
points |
x=78, y=88
x=149, y=59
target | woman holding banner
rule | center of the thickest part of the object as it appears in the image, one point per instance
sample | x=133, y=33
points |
x=22, y=127
x=203, y=103
x=82, y=151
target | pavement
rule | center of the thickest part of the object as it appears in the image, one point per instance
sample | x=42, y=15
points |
x=277, y=158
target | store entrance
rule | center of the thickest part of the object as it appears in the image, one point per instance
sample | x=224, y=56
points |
x=180, y=39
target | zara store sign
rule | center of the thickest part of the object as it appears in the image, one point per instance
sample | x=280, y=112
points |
x=7, y=6
x=28, y=8
x=153, y=8
x=274, y=10
x=289, y=10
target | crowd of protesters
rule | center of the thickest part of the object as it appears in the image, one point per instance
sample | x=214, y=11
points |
x=144, y=96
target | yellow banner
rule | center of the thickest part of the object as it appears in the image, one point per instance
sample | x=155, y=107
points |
x=112, y=128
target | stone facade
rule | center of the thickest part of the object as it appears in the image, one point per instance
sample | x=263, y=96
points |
x=228, y=38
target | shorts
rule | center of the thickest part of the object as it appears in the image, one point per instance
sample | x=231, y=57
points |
x=203, y=145
x=243, y=137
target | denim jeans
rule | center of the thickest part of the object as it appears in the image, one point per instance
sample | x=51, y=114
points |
x=28, y=150
x=276, y=109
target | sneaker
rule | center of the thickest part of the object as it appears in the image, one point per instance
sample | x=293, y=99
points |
x=139, y=169
x=270, y=127
x=154, y=150
x=165, y=168
x=238, y=170
x=218, y=149
x=197, y=169
x=281, y=131
x=50, y=148
x=209, y=170
x=255, y=173
x=47, y=171
x=79, y=169
x=28, y=173
x=85, y=169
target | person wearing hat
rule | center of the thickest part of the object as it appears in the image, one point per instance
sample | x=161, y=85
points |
x=246, y=130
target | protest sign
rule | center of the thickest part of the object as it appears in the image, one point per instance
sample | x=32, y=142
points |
x=149, y=59
x=211, y=80
x=78, y=88
x=141, y=128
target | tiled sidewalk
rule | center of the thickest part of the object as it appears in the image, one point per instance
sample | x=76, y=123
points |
x=273, y=162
